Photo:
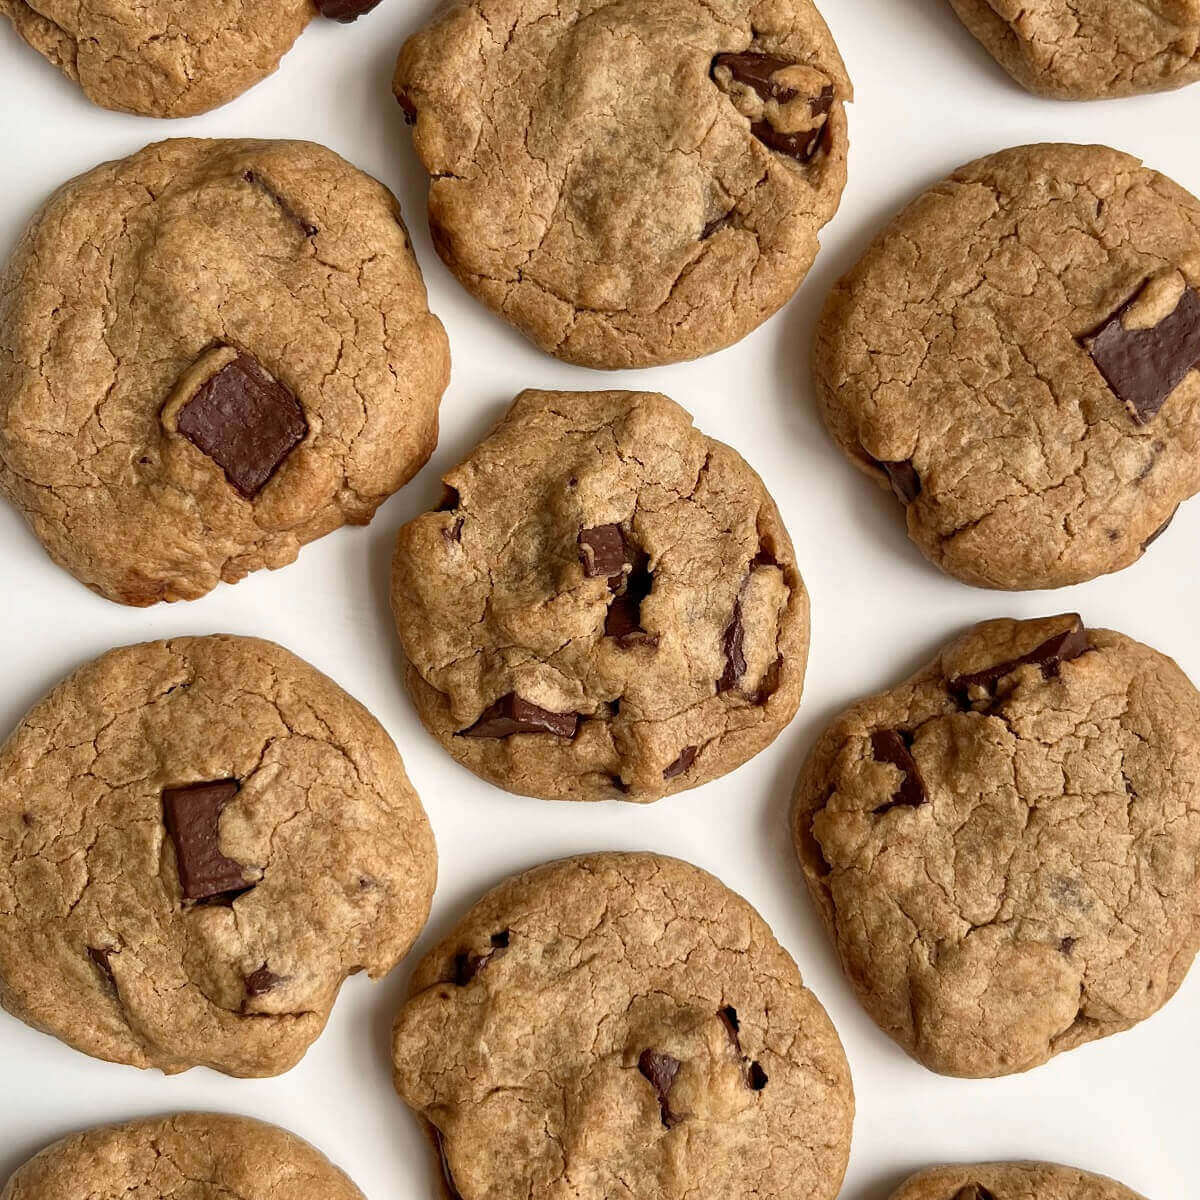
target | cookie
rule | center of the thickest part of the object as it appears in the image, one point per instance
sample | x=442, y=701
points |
x=1090, y=49
x=626, y=622
x=1013, y=357
x=1011, y=1181
x=628, y=184
x=1004, y=848
x=167, y=58
x=203, y=1156
x=211, y=353
x=201, y=839
x=622, y=1025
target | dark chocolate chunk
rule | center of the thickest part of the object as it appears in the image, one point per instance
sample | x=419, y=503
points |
x=602, y=551
x=906, y=483
x=1144, y=366
x=345, y=11
x=259, y=982
x=623, y=620
x=757, y=1078
x=729, y=1018
x=619, y=784
x=246, y=422
x=1160, y=530
x=510, y=714
x=800, y=146
x=687, y=756
x=410, y=109
x=891, y=746
x=1050, y=656
x=192, y=816
x=973, y=1191
x=660, y=1070
x=755, y=71
x=100, y=961
x=732, y=646
x=440, y=1143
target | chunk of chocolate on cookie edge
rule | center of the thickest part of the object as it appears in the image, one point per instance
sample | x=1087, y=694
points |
x=345, y=11
x=661, y=1069
x=510, y=714
x=192, y=816
x=906, y=483
x=246, y=422
x=687, y=756
x=1049, y=656
x=892, y=746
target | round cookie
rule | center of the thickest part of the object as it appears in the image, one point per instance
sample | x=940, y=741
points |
x=1013, y=356
x=200, y=1156
x=626, y=623
x=202, y=838
x=622, y=1025
x=211, y=353
x=1006, y=847
x=628, y=184
x=1011, y=1181
x=1090, y=49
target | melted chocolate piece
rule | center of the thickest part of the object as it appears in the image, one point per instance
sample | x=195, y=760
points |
x=732, y=644
x=246, y=422
x=192, y=816
x=757, y=1078
x=345, y=11
x=1144, y=366
x=973, y=1191
x=660, y=1070
x=892, y=746
x=906, y=483
x=603, y=551
x=623, y=620
x=260, y=982
x=510, y=714
x=801, y=146
x=1050, y=656
x=687, y=756
x=755, y=70
x=440, y=1143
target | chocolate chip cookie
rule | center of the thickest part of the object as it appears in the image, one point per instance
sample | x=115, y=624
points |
x=1014, y=358
x=1090, y=49
x=201, y=838
x=1005, y=847
x=201, y=1156
x=211, y=353
x=628, y=184
x=622, y=1025
x=605, y=605
x=1011, y=1181
x=167, y=58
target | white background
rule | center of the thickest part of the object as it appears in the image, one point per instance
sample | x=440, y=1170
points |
x=928, y=99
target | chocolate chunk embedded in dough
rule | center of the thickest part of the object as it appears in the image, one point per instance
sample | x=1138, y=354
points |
x=660, y=1070
x=510, y=714
x=1050, y=656
x=192, y=816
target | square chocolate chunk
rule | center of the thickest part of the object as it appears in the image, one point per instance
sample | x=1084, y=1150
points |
x=192, y=815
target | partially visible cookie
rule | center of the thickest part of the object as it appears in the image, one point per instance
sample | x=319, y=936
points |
x=1014, y=358
x=1011, y=1181
x=605, y=606
x=622, y=1025
x=1006, y=847
x=628, y=184
x=200, y=1156
x=211, y=353
x=199, y=840
x=1090, y=49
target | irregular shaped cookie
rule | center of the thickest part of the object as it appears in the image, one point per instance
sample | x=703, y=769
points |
x=211, y=353
x=625, y=622
x=622, y=1025
x=1006, y=847
x=1090, y=49
x=200, y=1156
x=167, y=58
x=1011, y=1181
x=1013, y=357
x=628, y=184
x=199, y=840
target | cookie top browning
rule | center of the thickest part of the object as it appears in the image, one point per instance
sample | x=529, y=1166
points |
x=211, y=353
x=1011, y=1181
x=628, y=184
x=1013, y=357
x=197, y=1156
x=162, y=58
x=1005, y=848
x=622, y=1025
x=1090, y=49
x=606, y=606
x=199, y=840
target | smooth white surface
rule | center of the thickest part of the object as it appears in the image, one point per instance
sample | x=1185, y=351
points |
x=928, y=99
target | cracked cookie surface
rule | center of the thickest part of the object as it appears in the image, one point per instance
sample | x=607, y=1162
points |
x=626, y=623
x=211, y=353
x=961, y=363
x=186, y=1156
x=1005, y=848
x=626, y=184
x=149, y=920
x=622, y=1025
x=1011, y=1181
x=161, y=58
x=1089, y=49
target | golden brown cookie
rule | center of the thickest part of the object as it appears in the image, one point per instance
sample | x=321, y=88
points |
x=1011, y=1181
x=622, y=1025
x=200, y=839
x=1006, y=847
